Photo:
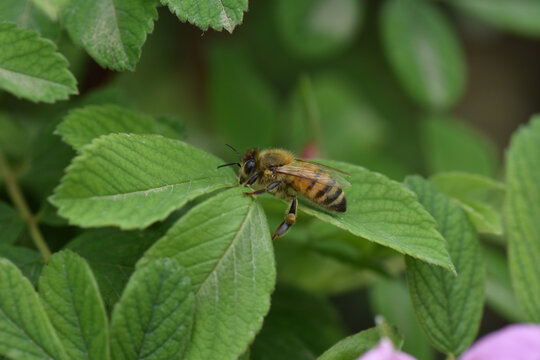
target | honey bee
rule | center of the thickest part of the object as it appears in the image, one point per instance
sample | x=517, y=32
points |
x=278, y=172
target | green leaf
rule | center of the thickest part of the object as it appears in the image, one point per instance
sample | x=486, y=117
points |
x=112, y=32
x=355, y=345
x=30, y=262
x=11, y=224
x=82, y=125
x=153, y=319
x=224, y=244
x=451, y=145
x=112, y=255
x=423, y=51
x=51, y=7
x=465, y=185
x=522, y=216
x=131, y=181
x=217, y=14
x=480, y=197
x=517, y=16
x=26, y=15
x=299, y=326
x=31, y=68
x=238, y=95
x=314, y=28
x=449, y=307
x=499, y=293
x=383, y=211
x=71, y=298
x=25, y=329
x=383, y=297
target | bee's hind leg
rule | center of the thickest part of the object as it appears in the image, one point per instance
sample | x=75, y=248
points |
x=289, y=220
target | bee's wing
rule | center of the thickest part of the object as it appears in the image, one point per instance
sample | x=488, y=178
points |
x=337, y=174
x=314, y=172
x=324, y=167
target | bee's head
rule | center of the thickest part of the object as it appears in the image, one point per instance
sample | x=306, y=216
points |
x=247, y=164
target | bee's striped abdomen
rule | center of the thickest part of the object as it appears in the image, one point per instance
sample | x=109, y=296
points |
x=335, y=199
x=329, y=195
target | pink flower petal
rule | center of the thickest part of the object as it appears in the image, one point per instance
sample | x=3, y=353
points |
x=513, y=342
x=385, y=351
x=309, y=151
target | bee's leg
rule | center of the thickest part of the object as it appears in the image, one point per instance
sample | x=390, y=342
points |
x=289, y=220
x=252, y=180
x=266, y=189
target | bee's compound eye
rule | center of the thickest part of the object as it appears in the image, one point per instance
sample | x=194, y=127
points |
x=249, y=168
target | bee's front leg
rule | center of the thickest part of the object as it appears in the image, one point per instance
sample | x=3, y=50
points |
x=289, y=220
x=265, y=190
x=252, y=180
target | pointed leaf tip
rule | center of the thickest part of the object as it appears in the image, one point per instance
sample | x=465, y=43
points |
x=217, y=14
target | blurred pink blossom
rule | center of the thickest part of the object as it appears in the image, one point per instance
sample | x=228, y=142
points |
x=385, y=351
x=309, y=151
x=513, y=342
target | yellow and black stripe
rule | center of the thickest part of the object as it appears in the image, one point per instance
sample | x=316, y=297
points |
x=329, y=195
x=335, y=200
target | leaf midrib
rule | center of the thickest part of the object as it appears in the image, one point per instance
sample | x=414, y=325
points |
x=226, y=16
x=150, y=320
x=136, y=192
x=25, y=14
x=218, y=263
x=77, y=315
x=118, y=30
x=35, y=78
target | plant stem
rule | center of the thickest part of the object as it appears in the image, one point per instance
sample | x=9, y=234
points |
x=22, y=207
x=311, y=109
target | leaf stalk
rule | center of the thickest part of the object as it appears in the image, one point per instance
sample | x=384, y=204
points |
x=22, y=207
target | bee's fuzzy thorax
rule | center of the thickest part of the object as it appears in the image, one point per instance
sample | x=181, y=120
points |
x=275, y=157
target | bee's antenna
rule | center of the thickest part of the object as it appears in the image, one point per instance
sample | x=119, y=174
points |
x=236, y=151
x=229, y=164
